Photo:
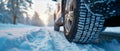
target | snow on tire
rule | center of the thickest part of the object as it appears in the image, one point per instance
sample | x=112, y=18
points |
x=86, y=27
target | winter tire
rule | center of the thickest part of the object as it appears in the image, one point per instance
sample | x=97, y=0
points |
x=56, y=27
x=80, y=25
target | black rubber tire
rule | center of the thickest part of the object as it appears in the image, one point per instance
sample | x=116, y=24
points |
x=86, y=26
x=56, y=27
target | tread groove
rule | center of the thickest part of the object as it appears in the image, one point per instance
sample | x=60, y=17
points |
x=86, y=26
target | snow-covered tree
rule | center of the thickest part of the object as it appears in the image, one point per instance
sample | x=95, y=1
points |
x=16, y=6
x=13, y=9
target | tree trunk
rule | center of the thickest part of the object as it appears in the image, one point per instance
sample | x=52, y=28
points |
x=14, y=19
x=14, y=11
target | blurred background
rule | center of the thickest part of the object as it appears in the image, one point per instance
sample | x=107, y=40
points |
x=29, y=12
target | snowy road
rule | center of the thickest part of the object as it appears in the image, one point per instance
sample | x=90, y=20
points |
x=30, y=38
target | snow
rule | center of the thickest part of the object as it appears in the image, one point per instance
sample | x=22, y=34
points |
x=111, y=29
x=30, y=38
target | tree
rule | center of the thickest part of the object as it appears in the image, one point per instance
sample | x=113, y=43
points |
x=15, y=7
x=2, y=5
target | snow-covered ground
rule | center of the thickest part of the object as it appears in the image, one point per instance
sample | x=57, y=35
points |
x=30, y=38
